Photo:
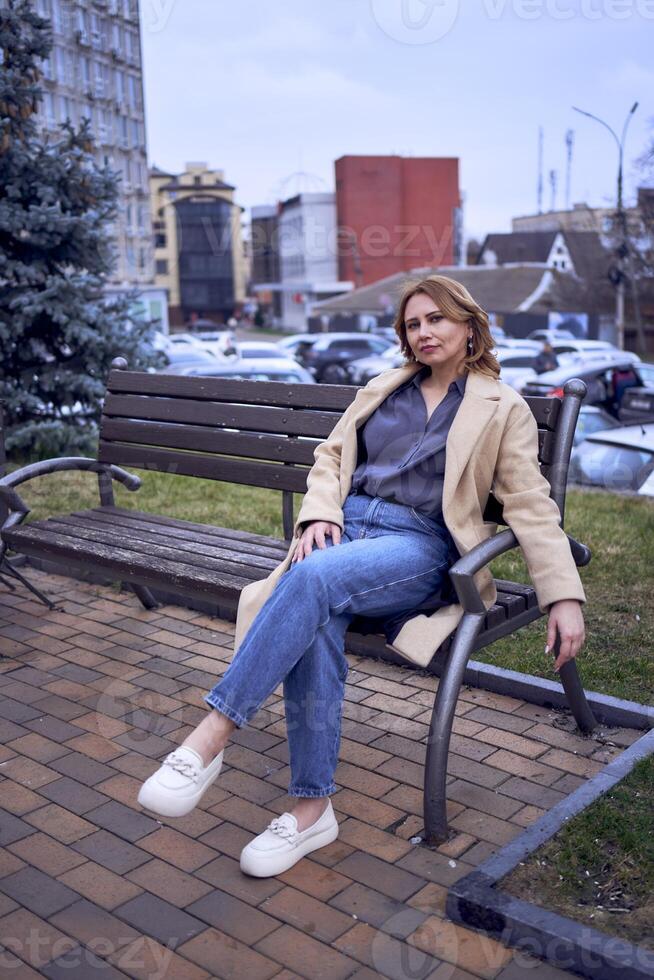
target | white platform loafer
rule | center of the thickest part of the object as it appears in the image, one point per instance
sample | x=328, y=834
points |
x=281, y=844
x=178, y=785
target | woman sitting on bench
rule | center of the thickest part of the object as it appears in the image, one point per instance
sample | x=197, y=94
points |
x=388, y=520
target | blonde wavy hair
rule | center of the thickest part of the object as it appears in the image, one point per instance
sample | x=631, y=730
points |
x=455, y=302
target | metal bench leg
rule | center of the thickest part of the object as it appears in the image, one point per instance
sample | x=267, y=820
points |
x=10, y=570
x=144, y=596
x=440, y=728
x=575, y=694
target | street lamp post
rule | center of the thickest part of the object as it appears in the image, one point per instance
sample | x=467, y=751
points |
x=623, y=249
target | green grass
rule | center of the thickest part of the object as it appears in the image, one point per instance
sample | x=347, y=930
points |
x=618, y=657
x=599, y=869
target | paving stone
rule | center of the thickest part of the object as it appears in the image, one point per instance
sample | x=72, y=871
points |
x=80, y=767
x=32, y=940
x=78, y=964
x=93, y=926
x=12, y=828
x=474, y=951
x=227, y=958
x=169, y=883
x=378, y=910
x=231, y=915
x=37, y=747
x=111, y=852
x=155, y=917
x=387, y=956
x=306, y=955
x=178, y=849
x=18, y=799
x=225, y=873
x=46, y=854
x=53, y=728
x=15, y=711
x=122, y=821
x=99, y=885
x=37, y=891
x=73, y=795
x=146, y=959
x=369, y=870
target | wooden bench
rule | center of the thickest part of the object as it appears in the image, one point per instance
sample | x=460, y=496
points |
x=263, y=434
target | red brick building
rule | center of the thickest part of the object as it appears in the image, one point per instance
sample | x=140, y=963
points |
x=396, y=213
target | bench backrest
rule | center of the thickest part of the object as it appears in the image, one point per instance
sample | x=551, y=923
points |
x=256, y=433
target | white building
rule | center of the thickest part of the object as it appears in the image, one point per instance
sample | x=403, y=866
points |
x=307, y=245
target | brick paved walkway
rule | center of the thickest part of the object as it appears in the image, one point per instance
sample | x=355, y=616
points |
x=91, y=696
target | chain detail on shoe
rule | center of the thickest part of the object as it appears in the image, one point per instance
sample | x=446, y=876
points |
x=284, y=829
x=184, y=766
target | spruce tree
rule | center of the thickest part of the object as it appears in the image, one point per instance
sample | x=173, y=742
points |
x=58, y=331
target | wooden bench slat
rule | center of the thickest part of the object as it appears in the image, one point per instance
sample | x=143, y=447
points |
x=201, y=438
x=545, y=411
x=271, y=476
x=311, y=396
x=130, y=543
x=254, y=418
x=175, y=534
x=187, y=549
x=517, y=588
x=221, y=532
x=149, y=569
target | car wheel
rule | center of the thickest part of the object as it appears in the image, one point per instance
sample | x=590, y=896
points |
x=334, y=374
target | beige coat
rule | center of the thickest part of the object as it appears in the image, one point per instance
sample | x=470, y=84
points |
x=492, y=444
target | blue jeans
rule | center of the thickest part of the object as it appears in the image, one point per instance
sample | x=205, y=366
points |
x=389, y=560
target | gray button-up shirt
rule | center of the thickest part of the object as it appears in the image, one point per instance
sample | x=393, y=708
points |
x=402, y=453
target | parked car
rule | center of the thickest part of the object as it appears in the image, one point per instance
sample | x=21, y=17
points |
x=258, y=348
x=222, y=343
x=551, y=335
x=289, y=344
x=592, y=419
x=247, y=369
x=361, y=371
x=187, y=354
x=328, y=356
x=618, y=459
x=606, y=380
x=517, y=343
x=516, y=365
x=637, y=405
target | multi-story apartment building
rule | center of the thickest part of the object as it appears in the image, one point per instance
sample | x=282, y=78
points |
x=199, y=256
x=95, y=70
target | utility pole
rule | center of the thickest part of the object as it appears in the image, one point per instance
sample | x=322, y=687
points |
x=569, y=143
x=623, y=250
x=540, y=170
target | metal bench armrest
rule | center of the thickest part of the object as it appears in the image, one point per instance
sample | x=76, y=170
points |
x=465, y=568
x=80, y=463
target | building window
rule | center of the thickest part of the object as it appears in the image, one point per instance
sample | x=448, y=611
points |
x=162, y=267
x=197, y=180
x=159, y=241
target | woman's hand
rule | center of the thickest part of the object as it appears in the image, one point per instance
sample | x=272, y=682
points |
x=315, y=532
x=566, y=617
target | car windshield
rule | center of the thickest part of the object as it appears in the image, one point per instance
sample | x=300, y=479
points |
x=611, y=467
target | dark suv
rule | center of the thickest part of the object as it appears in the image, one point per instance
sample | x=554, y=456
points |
x=329, y=354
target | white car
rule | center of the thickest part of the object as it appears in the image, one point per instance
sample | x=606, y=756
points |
x=516, y=365
x=619, y=459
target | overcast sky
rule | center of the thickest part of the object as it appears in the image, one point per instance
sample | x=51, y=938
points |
x=268, y=90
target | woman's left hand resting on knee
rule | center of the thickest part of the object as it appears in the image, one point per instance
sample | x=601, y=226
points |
x=315, y=532
x=566, y=617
